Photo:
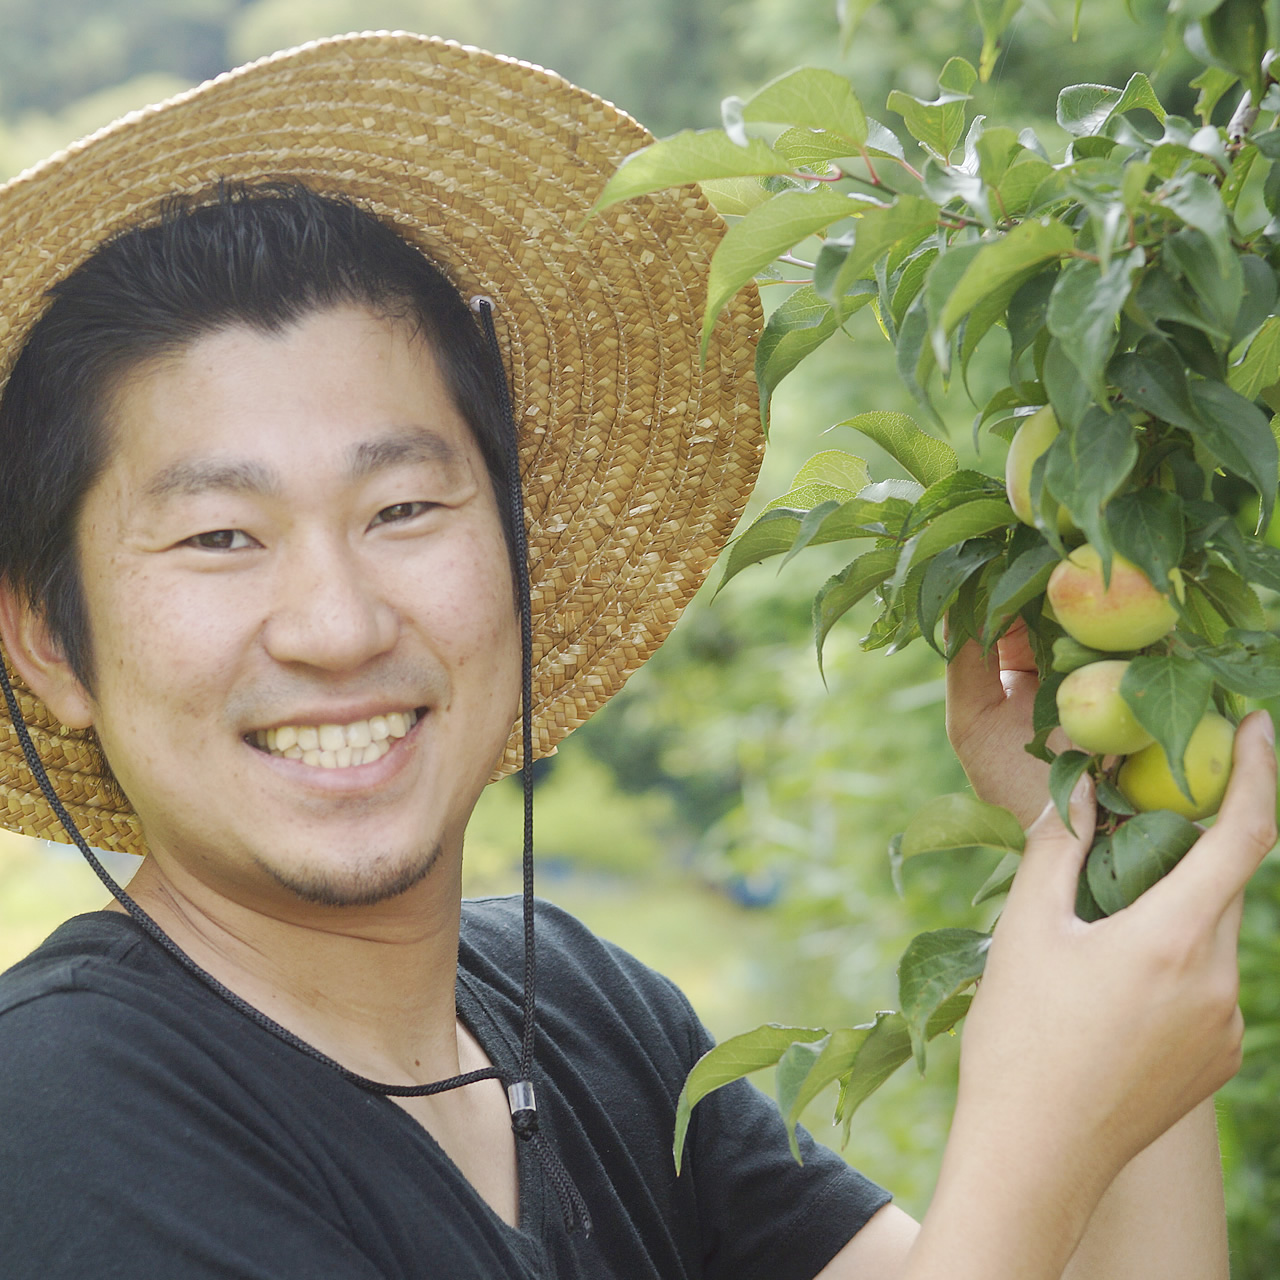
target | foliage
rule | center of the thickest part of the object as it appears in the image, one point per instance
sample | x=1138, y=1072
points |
x=1131, y=284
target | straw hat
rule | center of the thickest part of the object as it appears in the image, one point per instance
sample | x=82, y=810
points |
x=636, y=458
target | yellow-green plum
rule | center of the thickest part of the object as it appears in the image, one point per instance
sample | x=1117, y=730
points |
x=1147, y=782
x=1093, y=713
x=1031, y=440
x=1127, y=613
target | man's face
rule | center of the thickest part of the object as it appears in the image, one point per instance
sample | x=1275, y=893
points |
x=295, y=551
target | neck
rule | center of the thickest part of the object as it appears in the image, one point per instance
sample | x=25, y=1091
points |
x=371, y=987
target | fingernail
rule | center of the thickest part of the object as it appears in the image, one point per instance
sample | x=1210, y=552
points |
x=1268, y=728
x=1080, y=792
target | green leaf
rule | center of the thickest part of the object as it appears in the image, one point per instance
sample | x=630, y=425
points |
x=1084, y=467
x=1015, y=194
x=806, y=1069
x=1260, y=367
x=732, y=197
x=915, y=357
x=690, y=156
x=885, y=1049
x=1160, y=297
x=1085, y=110
x=794, y=1068
x=939, y=284
x=953, y=490
x=1198, y=202
x=910, y=282
x=970, y=520
x=1259, y=296
x=1140, y=852
x=1111, y=798
x=938, y=125
x=1070, y=655
x=1212, y=272
x=757, y=239
x=1147, y=528
x=993, y=17
x=1064, y=773
x=1083, y=309
x=1239, y=435
x=1212, y=82
x=813, y=98
x=809, y=150
x=999, y=880
x=820, y=488
x=943, y=577
x=736, y=1057
x=958, y=822
x=934, y=968
x=840, y=593
x=1024, y=579
x=797, y=327
x=1262, y=564
x=1236, y=35
x=877, y=231
x=774, y=532
x=1154, y=379
x=923, y=456
x=1168, y=696
x=1005, y=260
x=1247, y=662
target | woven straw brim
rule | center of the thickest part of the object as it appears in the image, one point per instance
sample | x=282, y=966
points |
x=636, y=457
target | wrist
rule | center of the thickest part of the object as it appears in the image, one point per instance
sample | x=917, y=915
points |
x=1013, y=1199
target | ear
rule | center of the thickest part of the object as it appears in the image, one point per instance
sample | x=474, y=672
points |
x=39, y=660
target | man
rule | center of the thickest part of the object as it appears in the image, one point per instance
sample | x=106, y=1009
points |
x=255, y=552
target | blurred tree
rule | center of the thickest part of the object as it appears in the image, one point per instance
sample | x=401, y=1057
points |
x=57, y=51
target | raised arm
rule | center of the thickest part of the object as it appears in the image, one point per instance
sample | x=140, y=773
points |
x=1082, y=1144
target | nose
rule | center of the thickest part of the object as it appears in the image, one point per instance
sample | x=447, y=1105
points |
x=328, y=611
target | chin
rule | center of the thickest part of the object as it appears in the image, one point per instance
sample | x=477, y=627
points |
x=380, y=878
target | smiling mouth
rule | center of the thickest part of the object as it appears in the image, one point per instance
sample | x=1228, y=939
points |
x=336, y=746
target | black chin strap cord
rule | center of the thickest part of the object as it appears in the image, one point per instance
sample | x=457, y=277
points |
x=524, y=1114
x=520, y=1093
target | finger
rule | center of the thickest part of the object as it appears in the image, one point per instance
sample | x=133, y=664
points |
x=1014, y=648
x=1214, y=873
x=973, y=688
x=1053, y=857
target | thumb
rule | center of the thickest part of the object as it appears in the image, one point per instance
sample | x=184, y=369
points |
x=1053, y=856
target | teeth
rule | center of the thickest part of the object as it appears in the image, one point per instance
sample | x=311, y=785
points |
x=337, y=746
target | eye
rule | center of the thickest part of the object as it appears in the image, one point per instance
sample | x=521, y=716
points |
x=221, y=540
x=399, y=512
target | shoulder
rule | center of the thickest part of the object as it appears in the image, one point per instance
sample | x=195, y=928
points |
x=573, y=962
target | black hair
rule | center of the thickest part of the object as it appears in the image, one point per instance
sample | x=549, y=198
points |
x=262, y=256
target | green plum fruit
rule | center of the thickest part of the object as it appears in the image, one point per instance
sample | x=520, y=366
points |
x=1147, y=781
x=1030, y=441
x=1127, y=613
x=1093, y=713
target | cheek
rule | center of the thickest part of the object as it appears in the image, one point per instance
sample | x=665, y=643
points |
x=479, y=613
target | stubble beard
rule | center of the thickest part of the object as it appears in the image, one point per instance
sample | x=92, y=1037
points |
x=383, y=879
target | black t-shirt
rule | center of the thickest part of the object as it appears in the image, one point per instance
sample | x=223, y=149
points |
x=148, y=1130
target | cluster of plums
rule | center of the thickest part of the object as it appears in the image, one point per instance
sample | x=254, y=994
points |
x=1127, y=613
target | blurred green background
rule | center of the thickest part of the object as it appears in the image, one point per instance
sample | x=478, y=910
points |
x=726, y=816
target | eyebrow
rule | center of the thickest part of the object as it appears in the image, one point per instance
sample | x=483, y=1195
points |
x=192, y=476
x=405, y=448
